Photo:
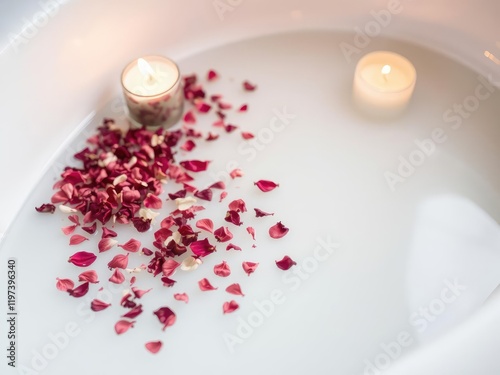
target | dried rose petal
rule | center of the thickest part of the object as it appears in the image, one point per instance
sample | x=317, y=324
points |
x=224, y=106
x=66, y=209
x=90, y=276
x=106, y=244
x=223, y=195
x=260, y=213
x=69, y=229
x=79, y=291
x=184, y=204
x=90, y=229
x=205, y=285
x=230, y=306
x=233, y=247
x=205, y=194
x=236, y=173
x=142, y=225
x=179, y=194
x=166, y=316
x=205, y=224
x=46, y=208
x=181, y=297
x=189, y=145
x=152, y=201
x=82, y=259
x=230, y=128
x=98, y=305
x=222, y=269
x=64, y=284
x=278, y=230
x=218, y=185
x=138, y=293
x=202, y=248
x=190, y=264
x=212, y=74
x=146, y=251
x=251, y=232
x=203, y=107
x=223, y=234
x=238, y=205
x=77, y=239
x=233, y=217
x=249, y=267
x=153, y=346
x=123, y=326
x=117, y=277
x=119, y=261
x=243, y=108
x=75, y=219
x=195, y=165
x=266, y=185
x=169, y=267
x=286, y=263
x=131, y=245
x=106, y=233
x=212, y=137
x=249, y=86
x=215, y=97
x=235, y=289
x=167, y=282
x=133, y=313
x=189, y=118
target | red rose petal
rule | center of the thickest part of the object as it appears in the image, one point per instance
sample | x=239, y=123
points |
x=238, y=205
x=189, y=145
x=119, y=261
x=235, y=289
x=249, y=86
x=203, y=107
x=138, y=293
x=181, y=297
x=249, y=267
x=82, y=259
x=205, y=194
x=247, y=135
x=106, y=233
x=218, y=185
x=222, y=269
x=167, y=282
x=233, y=217
x=223, y=234
x=90, y=276
x=117, y=277
x=236, y=173
x=79, y=291
x=106, y=244
x=286, y=263
x=205, y=224
x=189, y=118
x=64, y=284
x=229, y=307
x=77, y=239
x=90, y=229
x=131, y=245
x=202, y=248
x=211, y=75
x=123, y=326
x=195, y=165
x=75, y=219
x=212, y=137
x=98, y=305
x=166, y=316
x=69, y=229
x=233, y=247
x=46, y=208
x=222, y=196
x=278, y=230
x=153, y=346
x=215, y=98
x=260, y=213
x=152, y=201
x=266, y=185
x=230, y=128
x=169, y=267
x=243, y=108
x=251, y=232
x=133, y=313
x=205, y=285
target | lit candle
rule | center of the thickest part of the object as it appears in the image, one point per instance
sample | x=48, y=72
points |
x=153, y=91
x=383, y=84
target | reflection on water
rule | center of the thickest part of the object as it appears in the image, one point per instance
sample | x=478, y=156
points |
x=454, y=263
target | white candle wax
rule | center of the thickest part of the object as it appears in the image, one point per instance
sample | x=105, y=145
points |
x=153, y=91
x=383, y=84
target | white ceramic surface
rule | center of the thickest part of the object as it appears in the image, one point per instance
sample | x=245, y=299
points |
x=69, y=68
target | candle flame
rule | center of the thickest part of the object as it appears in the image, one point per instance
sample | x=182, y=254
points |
x=386, y=69
x=146, y=70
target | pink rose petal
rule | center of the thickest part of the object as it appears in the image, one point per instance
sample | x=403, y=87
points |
x=106, y=244
x=77, y=239
x=46, y=208
x=189, y=118
x=69, y=229
x=235, y=289
x=123, y=326
x=119, y=261
x=189, y=145
x=153, y=346
x=64, y=284
x=222, y=196
x=249, y=267
x=230, y=306
x=235, y=173
x=286, y=263
x=131, y=245
x=98, y=305
x=90, y=229
x=195, y=165
x=181, y=297
x=260, y=213
x=166, y=316
x=223, y=234
x=117, y=277
x=218, y=185
x=222, y=269
x=249, y=86
x=233, y=217
x=238, y=205
x=138, y=293
x=152, y=201
x=169, y=267
x=79, y=291
x=82, y=259
x=278, y=230
x=106, y=233
x=205, y=224
x=266, y=185
x=205, y=194
x=247, y=135
x=133, y=313
x=233, y=247
x=205, y=285
x=251, y=231
x=90, y=276
x=202, y=248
